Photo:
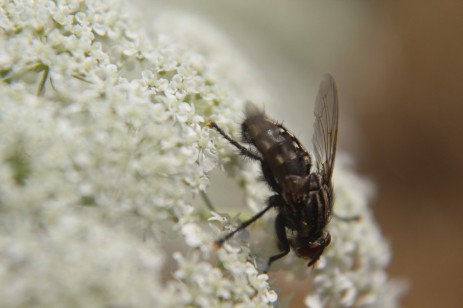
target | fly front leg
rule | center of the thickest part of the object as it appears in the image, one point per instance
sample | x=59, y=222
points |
x=283, y=242
x=280, y=230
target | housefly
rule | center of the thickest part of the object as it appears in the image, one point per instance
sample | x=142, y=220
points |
x=302, y=183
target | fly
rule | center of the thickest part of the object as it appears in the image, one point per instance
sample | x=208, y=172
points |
x=302, y=185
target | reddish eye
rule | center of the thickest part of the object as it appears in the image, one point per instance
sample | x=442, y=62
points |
x=327, y=239
x=315, y=249
x=310, y=251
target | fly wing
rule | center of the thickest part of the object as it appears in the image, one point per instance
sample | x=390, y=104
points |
x=326, y=127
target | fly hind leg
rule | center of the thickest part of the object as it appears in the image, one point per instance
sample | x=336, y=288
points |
x=243, y=150
x=348, y=218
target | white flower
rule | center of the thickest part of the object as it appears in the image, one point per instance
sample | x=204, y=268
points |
x=103, y=145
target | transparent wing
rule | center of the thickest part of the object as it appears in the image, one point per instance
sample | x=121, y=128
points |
x=326, y=127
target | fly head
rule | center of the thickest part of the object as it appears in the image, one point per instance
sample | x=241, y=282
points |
x=312, y=250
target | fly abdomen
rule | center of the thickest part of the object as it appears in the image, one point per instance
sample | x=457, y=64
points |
x=280, y=149
x=281, y=153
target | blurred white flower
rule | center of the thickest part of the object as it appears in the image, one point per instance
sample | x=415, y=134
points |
x=103, y=143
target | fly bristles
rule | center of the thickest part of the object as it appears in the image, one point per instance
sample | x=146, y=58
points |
x=252, y=110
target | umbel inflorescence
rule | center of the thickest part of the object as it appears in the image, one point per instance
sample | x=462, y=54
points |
x=103, y=143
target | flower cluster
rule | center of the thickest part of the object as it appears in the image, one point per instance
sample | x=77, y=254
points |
x=103, y=144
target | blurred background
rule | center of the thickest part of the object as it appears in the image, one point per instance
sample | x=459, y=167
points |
x=399, y=69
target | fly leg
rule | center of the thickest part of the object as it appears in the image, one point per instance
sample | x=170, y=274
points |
x=243, y=150
x=348, y=218
x=220, y=242
x=280, y=231
x=283, y=242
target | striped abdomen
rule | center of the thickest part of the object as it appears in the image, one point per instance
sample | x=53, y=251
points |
x=287, y=160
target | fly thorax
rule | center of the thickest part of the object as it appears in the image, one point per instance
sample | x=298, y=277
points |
x=294, y=189
x=315, y=181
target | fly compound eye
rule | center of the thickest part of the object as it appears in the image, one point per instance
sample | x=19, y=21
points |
x=327, y=239
x=315, y=249
x=310, y=251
